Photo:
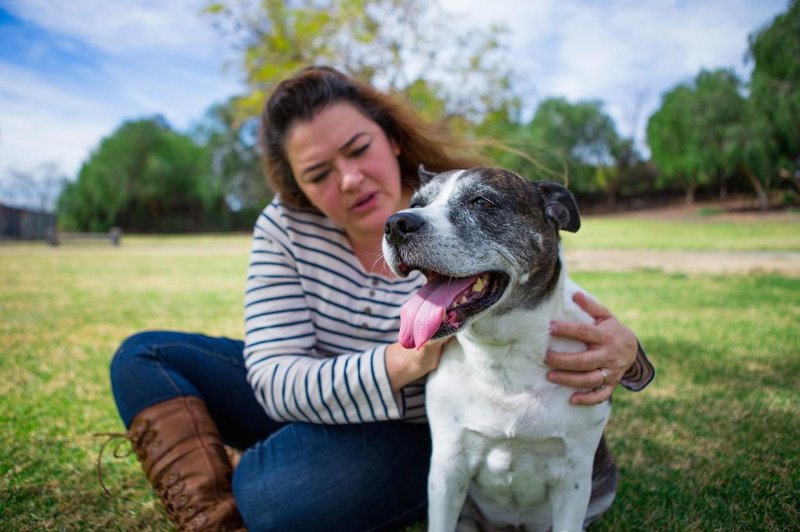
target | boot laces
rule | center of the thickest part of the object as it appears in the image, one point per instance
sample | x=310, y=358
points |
x=169, y=487
x=140, y=438
x=178, y=502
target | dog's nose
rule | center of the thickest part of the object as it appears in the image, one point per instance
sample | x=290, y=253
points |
x=399, y=226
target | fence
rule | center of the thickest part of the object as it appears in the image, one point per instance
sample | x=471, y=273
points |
x=25, y=224
x=114, y=237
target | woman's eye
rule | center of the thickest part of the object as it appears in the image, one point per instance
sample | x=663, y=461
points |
x=482, y=202
x=359, y=151
x=319, y=177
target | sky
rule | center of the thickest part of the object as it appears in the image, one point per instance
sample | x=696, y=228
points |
x=72, y=71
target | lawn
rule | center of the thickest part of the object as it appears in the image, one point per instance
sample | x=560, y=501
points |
x=712, y=444
x=710, y=235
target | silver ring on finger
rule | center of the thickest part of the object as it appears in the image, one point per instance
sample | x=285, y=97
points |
x=605, y=377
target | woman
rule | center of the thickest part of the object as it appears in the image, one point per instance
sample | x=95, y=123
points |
x=326, y=403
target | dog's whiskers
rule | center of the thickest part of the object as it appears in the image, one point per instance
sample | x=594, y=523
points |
x=378, y=260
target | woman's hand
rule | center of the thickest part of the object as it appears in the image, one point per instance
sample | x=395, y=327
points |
x=611, y=349
x=404, y=366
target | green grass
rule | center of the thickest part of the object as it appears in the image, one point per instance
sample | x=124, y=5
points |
x=712, y=444
x=707, y=235
x=64, y=311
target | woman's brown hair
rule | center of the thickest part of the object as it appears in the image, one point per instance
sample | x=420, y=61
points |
x=303, y=96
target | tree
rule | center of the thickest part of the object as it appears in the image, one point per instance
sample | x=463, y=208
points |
x=748, y=147
x=235, y=162
x=705, y=130
x=630, y=169
x=397, y=45
x=669, y=133
x=506, y=141
x=775, y=87
x=627, y=166
x=37, y=188
x=143, y=177
x=579, y=138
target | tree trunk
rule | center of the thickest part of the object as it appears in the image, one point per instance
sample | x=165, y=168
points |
x=611, y=199
x=690, y=190
x=761, y=193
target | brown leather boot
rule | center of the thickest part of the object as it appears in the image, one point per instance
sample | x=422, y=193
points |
x=184, y=459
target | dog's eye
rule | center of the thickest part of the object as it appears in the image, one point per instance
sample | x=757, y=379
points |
x=482, y=202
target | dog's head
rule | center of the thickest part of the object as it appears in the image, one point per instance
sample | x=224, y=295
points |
x=487, y=241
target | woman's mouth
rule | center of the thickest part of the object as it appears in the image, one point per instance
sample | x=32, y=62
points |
x=364, y=202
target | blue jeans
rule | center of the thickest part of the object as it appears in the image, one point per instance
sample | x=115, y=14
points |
x=292, y=476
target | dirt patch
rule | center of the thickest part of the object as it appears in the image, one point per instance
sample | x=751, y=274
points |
x=699, y=262
x=692, y=262
x=739, y=210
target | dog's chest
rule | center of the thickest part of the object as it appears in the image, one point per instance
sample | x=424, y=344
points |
x=500, y=392
x=515, y=471
x=514, y=442
x=460, y=400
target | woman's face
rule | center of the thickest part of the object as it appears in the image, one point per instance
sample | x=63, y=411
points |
x=348, y=169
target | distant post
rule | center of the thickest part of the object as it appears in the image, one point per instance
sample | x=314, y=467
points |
x=116, y=236
x=51, y=235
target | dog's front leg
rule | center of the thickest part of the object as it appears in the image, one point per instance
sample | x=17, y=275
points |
x=448, y=482
x=569, y=500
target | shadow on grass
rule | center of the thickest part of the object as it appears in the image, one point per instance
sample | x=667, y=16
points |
x=713, y=446
x=77, y=502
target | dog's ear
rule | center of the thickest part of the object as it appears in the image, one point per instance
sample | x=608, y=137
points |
x=559, y=205
x=424, y=175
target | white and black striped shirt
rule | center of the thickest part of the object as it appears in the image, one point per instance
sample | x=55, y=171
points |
x=317, y=325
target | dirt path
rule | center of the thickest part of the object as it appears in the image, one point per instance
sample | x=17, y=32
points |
x=698, y=262
x=705, y=262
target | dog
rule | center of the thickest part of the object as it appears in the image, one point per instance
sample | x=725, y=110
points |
x=505, y=439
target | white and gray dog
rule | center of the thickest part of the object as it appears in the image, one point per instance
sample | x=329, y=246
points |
x=504, y=437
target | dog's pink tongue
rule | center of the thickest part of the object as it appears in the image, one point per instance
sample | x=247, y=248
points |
x=421, y=316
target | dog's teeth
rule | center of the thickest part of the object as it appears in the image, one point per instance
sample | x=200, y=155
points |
x=462, y=301
x=479, y=285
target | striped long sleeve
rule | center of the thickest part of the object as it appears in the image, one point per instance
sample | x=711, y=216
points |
x=640, y=374
x=317, y=325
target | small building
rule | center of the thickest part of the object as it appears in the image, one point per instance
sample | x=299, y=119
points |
x=18, y=223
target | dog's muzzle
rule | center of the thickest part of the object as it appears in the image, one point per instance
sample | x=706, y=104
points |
x=449, y=298
x=401, y=225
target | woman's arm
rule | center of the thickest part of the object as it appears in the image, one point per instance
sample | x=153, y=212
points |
x=290, y=378
x=612, y=356
x=640, y=373
x=405, y=366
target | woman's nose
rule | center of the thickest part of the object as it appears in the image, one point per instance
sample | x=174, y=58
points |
x=351, y=177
